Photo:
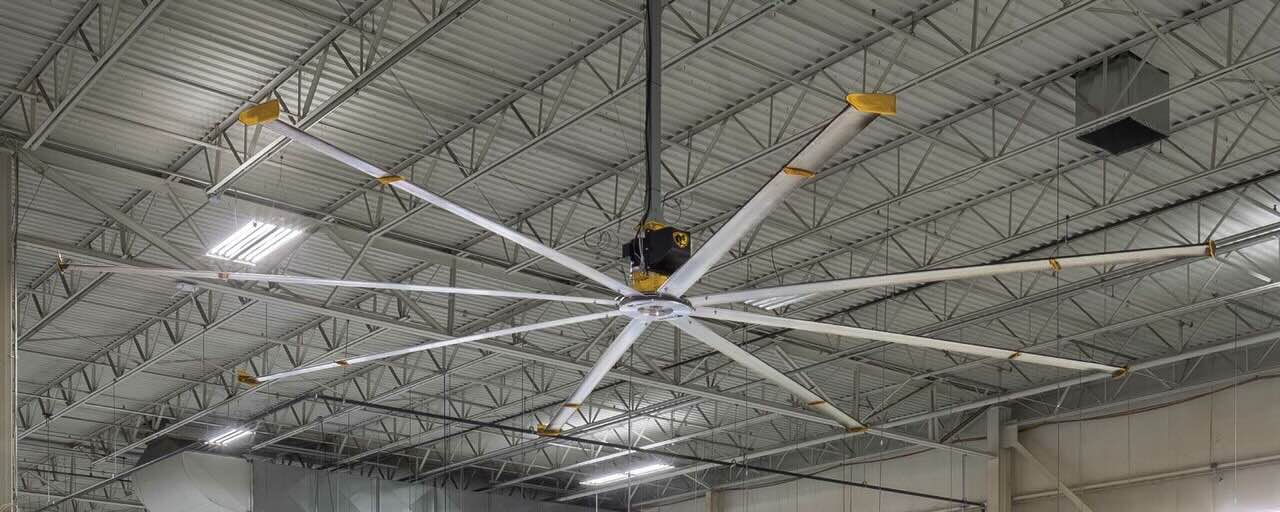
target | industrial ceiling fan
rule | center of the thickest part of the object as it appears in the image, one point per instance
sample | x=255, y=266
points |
x=664, y=266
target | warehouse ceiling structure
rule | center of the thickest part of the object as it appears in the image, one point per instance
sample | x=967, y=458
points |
x=124, y=119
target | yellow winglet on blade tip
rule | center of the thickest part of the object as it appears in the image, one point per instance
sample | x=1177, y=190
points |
x=544, y=431
x=261, y=113
x=245, y=378
x=873, y=103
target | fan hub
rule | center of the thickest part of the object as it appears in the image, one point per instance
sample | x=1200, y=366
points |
x=655, y=307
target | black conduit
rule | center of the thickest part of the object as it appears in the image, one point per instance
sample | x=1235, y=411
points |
x=691, y=458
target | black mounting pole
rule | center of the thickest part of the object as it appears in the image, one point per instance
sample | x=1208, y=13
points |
x=653, y=110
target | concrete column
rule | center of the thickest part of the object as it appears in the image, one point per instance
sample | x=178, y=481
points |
x=8, y=334
x=1000, y=467
x=713, y=501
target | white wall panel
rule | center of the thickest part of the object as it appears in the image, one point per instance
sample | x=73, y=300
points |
x=1213, y=451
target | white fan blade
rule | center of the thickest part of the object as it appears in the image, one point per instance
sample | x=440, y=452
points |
x=751, y=362
x=609, y=358
x=902, y=339
x=344, y=283
x=493, y=226
x=947, y=274
x=811, y=159
x=342, y=363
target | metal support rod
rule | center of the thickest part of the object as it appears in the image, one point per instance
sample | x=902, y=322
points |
x=8, y=330
x=653, y=110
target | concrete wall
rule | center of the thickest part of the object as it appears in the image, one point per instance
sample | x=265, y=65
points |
x=1219, y=452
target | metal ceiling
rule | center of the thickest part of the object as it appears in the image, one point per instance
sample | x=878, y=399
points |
x=532, y=113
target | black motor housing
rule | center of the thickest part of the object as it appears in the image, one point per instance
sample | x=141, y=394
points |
x=666, y=249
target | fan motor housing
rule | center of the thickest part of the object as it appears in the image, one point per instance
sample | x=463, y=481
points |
x=663, y=250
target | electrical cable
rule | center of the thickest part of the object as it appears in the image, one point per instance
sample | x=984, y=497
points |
x=479, y=424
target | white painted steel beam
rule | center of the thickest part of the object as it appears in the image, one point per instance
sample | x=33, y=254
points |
x=8, y=328
x=404, y=49
x=149, y=13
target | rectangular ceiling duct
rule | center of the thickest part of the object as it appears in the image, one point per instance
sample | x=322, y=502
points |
x=1115, y=84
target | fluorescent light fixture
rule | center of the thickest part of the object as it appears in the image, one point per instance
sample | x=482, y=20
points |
x=229, y=436
x=252, y=242
x=772, y=303
x=614, y=477
x=607, y=479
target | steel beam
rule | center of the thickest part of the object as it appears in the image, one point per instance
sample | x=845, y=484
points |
x=149, y=13
x=1241, y=343
x=340, y=27
x=885, y=148
x=419, y=330
x=8, y=328
x=406, y=47
x=56, y=47
x=91, y=199
x=139, y=368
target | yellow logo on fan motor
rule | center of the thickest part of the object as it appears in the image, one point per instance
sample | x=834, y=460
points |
x=682, y=239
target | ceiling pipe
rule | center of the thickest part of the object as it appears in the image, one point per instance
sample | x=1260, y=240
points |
x=658, y=453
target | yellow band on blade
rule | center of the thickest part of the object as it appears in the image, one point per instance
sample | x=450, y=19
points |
x=1211, y=249
x=390, y=178
x=874, y=103
x=244, y=378
x=261, y=113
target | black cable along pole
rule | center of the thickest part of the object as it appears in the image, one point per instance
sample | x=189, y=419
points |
x=606, y=444
x=653, y=111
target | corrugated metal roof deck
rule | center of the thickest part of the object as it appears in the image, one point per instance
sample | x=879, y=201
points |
x=731, y=109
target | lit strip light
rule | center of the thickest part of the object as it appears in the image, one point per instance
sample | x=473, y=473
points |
x=252, y=242
x=611, y=478
x=772, y=303
x=229, y=436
